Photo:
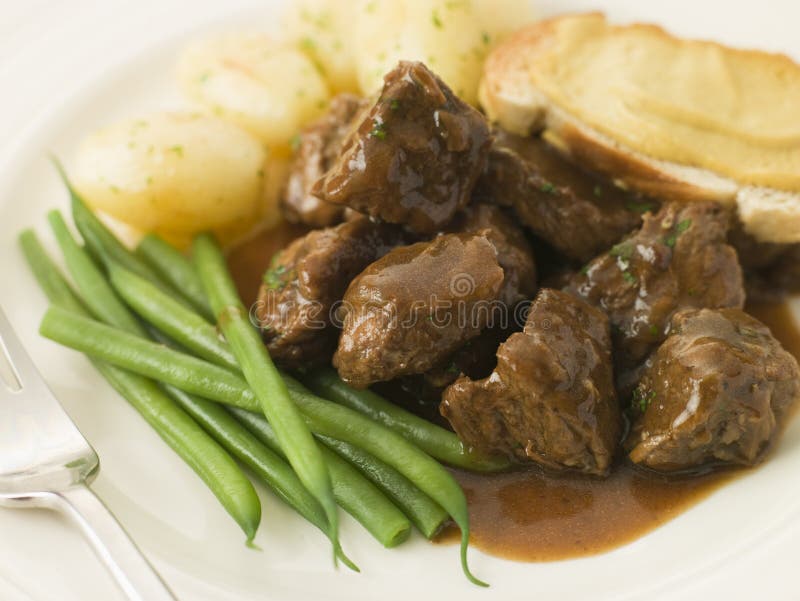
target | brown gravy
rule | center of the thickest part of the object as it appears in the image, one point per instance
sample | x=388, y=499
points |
x=529, y=515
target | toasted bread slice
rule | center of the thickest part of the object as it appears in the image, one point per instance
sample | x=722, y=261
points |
x=510, y=96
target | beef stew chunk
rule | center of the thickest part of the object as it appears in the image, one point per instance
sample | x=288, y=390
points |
x=575, y=212
x=551, y=398
x=415, y=155
x=318, y=146
x=307, y=278
x=678, y=259
x=714, y=392
x=514, y=253
x=411, y=310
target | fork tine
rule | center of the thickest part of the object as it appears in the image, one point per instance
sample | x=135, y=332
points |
x=25, y=371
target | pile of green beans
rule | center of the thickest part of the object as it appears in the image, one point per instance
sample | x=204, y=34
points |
x=146, y=320
x=219, y=384
x=357, y=495
x=206, y=457
x=214, y=466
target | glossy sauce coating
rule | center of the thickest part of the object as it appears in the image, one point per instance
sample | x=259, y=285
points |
x=530, y=515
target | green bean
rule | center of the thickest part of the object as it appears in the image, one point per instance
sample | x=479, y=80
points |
x=433, y=439
x=342, y=423
x=179, y=323
x=301, y=449
x=152, y=360
x=425, y=514
x=55, y=287
x=100, y=298
x=174, y=268
x=201, y=452
x=357, y=495
x=214, y=466
x=215, y=383
x=246, y=447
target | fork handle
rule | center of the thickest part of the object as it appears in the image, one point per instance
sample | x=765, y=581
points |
x=134, y=575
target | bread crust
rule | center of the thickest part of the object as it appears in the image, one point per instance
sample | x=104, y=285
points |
x=510, y=98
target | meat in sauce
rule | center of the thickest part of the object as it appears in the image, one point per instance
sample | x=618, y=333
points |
x=678, y=259
x=704, y=383
x=715, y=391
x=411, y=310
x=514, y=253
x=551, y=398
x=307, y=278
x=318, y=146
x=414, y=156
x=578, y=214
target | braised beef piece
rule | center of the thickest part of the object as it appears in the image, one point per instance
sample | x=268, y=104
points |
x=577, y=213
x=307, y=278
x=411, y=310
x=318, y=146
x=514, y=253
x=714, y=392
x=678, y=259
x=551, y=398
x=414, y=157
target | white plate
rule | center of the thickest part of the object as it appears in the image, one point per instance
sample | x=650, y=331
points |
x=77, y=65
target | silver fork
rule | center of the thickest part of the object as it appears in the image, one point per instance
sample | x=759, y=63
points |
x=46, y=462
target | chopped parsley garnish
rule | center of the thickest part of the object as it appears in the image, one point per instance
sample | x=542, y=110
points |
x=178, y=150
x=485, y=37
x=585, y=269
x=654, y=329
x=294, y=142
x=623, y=250
x=378, y=130
x=679, y=229
x=453, y=368
x=394, y=104
x=547, y=187
x=273, y=277
x=639, y=207
x=437, y=22
x=598, y=191
x=642, y=399
x=308, y=44
x=629, y=277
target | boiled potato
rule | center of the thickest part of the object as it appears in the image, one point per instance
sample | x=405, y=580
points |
x=175, y=174
x=452, y=37
x=269, y=89
x=322, y=30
